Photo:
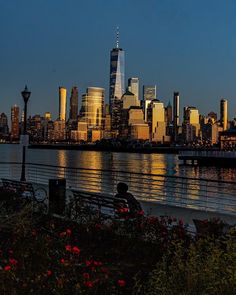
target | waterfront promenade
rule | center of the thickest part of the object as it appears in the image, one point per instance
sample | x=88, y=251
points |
x=161, y=195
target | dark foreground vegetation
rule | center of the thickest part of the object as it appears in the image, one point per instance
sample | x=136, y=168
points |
x=42, y=254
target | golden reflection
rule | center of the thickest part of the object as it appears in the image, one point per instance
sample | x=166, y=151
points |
x=90, y=180
x=62, y=161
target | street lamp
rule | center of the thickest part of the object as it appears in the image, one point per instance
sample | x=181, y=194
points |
x=26, y=95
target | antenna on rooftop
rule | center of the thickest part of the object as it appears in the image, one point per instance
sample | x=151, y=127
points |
x=117, y=37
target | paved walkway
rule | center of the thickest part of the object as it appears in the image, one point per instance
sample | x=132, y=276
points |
x=187, y=214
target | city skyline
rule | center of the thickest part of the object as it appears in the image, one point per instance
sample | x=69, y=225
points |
x=188, y=48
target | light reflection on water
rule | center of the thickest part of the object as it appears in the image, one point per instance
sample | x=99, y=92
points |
x=164, y=164
x=166, y=189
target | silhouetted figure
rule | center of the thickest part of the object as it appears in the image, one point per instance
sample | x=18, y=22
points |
x=133, y=205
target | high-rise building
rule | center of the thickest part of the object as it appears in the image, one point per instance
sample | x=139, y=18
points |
x=191, y=124
x=117, y=79
x=133, y=86
x=62, y=103
x=191, y=115
x=149, y=94
x=4, y=130
x=93, y=107
x=74, y=103
x=176, y=114
x=129, y=99
x=15, y=131
x=224, y=114
x=168, y=114
x=48, y=116
x=156, y=121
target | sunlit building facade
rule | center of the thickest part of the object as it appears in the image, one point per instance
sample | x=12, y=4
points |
x=156, y=121
x=133, y=86
x=62, y=103
x=149, y=94
x=176, y=114
x=224, y=114
x=92, y=108
x=191, y=124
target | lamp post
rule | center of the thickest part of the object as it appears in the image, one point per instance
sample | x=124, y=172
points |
x=26, y=95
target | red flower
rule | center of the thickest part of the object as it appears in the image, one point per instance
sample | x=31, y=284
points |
x=123, y=210
x=68, y=248
x=49, y=273
x=97, y=263
x=7, y=267
x=88, y=284
x=76, y=250
x=140, y=212
x=13, y=261
x=62, y=260
x=88, y=262
x=68, y=231
x=121, y=283
x=86, y=275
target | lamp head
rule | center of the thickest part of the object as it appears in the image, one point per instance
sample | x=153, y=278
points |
x=26, y=94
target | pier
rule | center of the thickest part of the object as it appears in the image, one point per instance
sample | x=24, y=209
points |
x=211, y=158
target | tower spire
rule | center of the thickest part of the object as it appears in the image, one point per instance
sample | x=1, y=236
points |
x=117, y=37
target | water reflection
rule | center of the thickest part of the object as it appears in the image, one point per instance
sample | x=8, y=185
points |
x=153, y=186
x=62, y=161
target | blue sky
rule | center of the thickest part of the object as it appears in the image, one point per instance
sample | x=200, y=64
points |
x=181, y=45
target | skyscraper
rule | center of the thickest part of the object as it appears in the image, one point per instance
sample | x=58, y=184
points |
x=62, y=103
x=224, y=114
x=93, y=106
x=15, y=131
x=176, y=114
x=117, y=79
x=74, y=103
x=149, y=94
x=133, y=86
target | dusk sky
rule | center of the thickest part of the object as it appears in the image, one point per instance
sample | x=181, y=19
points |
x=180, y=45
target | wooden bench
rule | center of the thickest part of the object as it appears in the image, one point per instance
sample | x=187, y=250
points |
x=25, y=190
x=94, y=204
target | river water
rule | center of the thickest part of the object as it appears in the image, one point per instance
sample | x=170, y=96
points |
x=164, y=164
x=192, y=193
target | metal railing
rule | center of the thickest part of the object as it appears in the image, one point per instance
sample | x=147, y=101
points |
x=194, y=193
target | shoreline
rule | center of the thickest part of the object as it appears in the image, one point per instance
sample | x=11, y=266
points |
x=119, y=149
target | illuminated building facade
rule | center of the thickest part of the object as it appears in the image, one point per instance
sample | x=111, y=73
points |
x=224, y=114
x=15, y=131
x=62, y=103
x=149, y=94
x=133, y=86
x=176, y=114
x=93, y=107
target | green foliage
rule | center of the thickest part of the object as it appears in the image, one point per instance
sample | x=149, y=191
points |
x=206, y=267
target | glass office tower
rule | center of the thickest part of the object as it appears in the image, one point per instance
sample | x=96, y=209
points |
x=117, y=74
x=74, y=103
x=117, y=82
x=93, y=106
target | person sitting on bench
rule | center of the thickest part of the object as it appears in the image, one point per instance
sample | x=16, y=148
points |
x=134, y=206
